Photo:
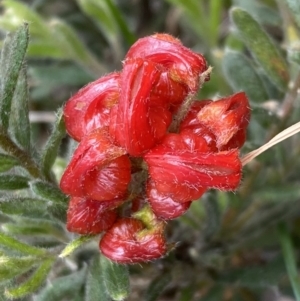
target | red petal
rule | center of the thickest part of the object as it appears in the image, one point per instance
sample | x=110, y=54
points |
x=126, y=242
x=183, y=65
x=86, y=216
x=97, y=159
x=89, y=107
x=136, y=126
x=164, y=206
x=225, y=117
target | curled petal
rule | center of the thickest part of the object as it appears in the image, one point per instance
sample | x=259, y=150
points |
x=137, y=125
x=184, y=174
x=128, y=241
x=87, y=216
x=225, y=117
x=183, y=65
x=164, y=206
x=98, y=170
x=90, y=107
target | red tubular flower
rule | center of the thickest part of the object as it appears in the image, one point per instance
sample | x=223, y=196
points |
x=226, y=117
x=163, y=206
x=137, y=124
x=98, y=170
x=90, y=107
x=183, y=65
x=86, y=216
x=128, y=241
x=182, y=168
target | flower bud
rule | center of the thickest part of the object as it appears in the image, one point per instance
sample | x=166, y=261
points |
x=183, y=65
x=86, y=216
x=90, y=107
x=182, y=167
x=138, y=125
x=98, y=170
x=128, y=241
x=163, y=206
x=225, y=117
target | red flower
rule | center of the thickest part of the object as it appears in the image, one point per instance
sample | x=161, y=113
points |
x=138, y=124
x=226, y=117
x=90, y=107
x=182, y=167
x=128, y=241
x=183, y=65
x=98, y=170
x=86, y=216
x=164, y=206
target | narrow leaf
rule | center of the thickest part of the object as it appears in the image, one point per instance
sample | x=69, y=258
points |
x=53, y=143
x=13, y=266
x=13, y=182
x=16, y=245
x=294, y=6
x=116, y=279
x=269, y=274
x=262, y=47
x=48, y=191
x=12, y=57
x=33, y=283
x=126, y=32
x=63, y=287
x=157, y=286
x=242, y=76
x=19, y=125
x=7, y=162
x=213, y=218
x=289, y=258
x=23, y=206
x=17, y=12
x=95, y=288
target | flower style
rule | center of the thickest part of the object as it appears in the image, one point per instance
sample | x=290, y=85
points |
x=133, y=148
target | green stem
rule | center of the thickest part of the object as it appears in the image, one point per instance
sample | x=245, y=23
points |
x=289, y=258
x=25, y=160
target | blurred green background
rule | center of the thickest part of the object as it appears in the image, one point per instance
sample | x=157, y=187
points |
x=241, y=246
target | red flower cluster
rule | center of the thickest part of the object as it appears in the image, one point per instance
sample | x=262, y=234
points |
x=130, y=152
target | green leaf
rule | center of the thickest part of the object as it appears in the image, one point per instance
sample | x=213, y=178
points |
x=213, y=216
x=262, y=47
x=46, y=49
x=156, y=287
x=16, y=12
x=63, y=287
x=269, y=274
x=33, y=283
x=12, y=57
x=48, y=191
x=51, y=149
x=19, y=125
x=7, y=162
x=116, y=279
x=101, y=13
x=294, y=6
x=23, y=206
x=289, y=258
x=242, y=76
x=16, y=245
x=13, y=266
x=13, y=182
x=126, y=32
x=73, y=48
x=95, y=288
x=33, y=228
x=262, y=13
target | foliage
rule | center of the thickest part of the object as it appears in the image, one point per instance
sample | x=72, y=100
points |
x=233, y=246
